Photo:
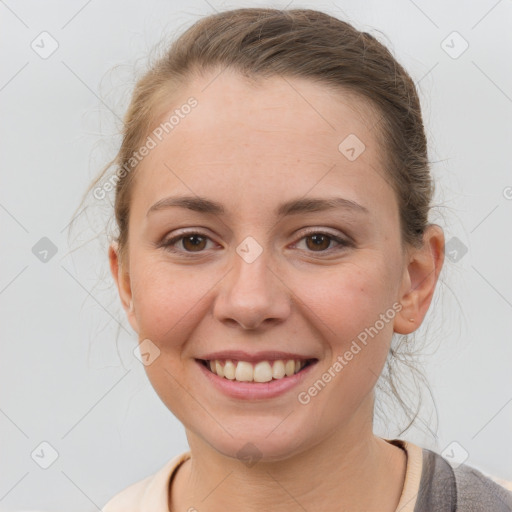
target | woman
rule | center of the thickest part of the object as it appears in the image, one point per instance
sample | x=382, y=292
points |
x=272, y=200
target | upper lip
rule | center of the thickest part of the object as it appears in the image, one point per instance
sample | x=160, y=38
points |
x=266, y=355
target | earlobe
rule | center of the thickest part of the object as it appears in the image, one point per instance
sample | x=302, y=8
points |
x=420, y=279
x=123, y=284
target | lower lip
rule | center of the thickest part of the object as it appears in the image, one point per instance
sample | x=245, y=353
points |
x=255, y=390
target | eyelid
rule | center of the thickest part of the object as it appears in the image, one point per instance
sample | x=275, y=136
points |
x=340, y=239
x=167, y=242
x=321, y=230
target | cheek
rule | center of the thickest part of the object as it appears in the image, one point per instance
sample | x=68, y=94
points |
x=349, y=299
x=167, y=301
x=354, y=315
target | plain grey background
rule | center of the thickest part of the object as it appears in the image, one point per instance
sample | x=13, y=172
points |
x=62, y=380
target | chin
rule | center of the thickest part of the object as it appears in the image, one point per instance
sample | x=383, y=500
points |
x=261, y=443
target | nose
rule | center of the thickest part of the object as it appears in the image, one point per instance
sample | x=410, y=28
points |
x=252, y=295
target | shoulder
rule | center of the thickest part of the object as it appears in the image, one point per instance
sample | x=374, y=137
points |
x=475, y=487
x=150, y=493
x=461, y=488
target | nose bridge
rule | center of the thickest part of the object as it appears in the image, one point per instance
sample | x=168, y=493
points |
x=252, y=293
x=251, y=269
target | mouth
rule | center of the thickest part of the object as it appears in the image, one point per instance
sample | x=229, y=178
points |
x=256, y=371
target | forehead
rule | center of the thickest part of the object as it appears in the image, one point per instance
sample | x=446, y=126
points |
x=257, y=142
x=234, y=108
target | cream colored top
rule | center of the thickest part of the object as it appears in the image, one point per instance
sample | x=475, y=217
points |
x=152, y=493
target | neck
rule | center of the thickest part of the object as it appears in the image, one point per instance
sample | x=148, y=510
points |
x=358, y=472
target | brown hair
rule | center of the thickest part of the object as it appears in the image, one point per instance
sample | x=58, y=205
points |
x=264, y=42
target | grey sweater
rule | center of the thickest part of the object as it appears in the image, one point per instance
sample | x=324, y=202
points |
x=444, y=488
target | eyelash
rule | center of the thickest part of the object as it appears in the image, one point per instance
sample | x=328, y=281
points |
x=168, y=244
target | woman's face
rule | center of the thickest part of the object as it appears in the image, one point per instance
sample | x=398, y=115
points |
x=264, y=278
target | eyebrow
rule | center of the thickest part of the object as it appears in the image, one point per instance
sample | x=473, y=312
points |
x=293, y=207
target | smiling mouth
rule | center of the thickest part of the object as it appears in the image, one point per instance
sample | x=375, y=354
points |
x=261, y=371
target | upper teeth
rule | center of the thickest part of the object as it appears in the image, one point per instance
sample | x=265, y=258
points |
x=263, y=371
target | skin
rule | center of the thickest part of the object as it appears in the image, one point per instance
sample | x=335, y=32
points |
x=252, y=147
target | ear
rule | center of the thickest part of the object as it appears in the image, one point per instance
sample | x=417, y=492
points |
x=420, y=279
x=122, y=279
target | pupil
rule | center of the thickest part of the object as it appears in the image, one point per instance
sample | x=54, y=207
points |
x=197, y=239
x=319, y=240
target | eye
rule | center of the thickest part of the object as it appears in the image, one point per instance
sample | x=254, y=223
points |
x=319, y=241
x=196, y=242
x=191, y=242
